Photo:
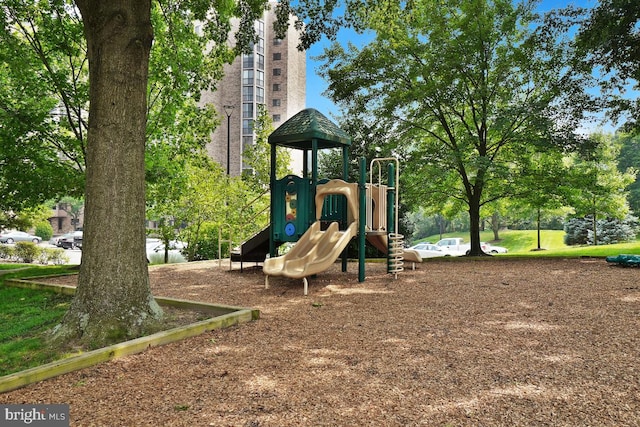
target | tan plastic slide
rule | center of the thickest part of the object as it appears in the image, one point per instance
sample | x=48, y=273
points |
x=316, y=250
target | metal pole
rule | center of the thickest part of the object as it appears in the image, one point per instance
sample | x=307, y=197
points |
x=228, y=109
x=362, y=202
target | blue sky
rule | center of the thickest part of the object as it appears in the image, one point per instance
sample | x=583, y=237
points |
x=316, y=85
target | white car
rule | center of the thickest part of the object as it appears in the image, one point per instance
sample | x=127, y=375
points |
x=429, y=250
x=155, y=250
x=490, y=249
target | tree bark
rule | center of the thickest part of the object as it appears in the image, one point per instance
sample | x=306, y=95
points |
x=495, y=226
x=474, y=226
x=113, y=298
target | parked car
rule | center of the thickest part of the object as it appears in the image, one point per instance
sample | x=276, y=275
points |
x=490, y=249
x=429, y=250
x=71, y=240
x=455, y=246
x=18, y=236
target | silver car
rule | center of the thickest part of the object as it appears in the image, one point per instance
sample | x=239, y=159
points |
x=18, y=236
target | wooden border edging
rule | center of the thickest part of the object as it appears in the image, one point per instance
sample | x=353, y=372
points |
x=224, y=316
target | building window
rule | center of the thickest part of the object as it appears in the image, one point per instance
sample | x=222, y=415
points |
x=247, y=111
x=260, y=28
x=277, y=42
x=276, y=118
x=260, y=78
x=247, y=126
x=277, y=56
x=247, y=77
x=260, y=62
x=275, y=102
x=277, y=71
x=260, y=95
x=276, y=87
x=247, y=61
x=247, y=93
x=261, y=45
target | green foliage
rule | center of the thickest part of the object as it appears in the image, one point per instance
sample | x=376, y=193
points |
x=598, y=187
x=579, y=231
x=55, y=256
x=26, y=218
x=41, y=68
x=27, y=252
x=44, y=230
x=206, y=246
x=258, y=156
x=468, y=91
x=6, y=252
x=629, y=157
x=609, y=38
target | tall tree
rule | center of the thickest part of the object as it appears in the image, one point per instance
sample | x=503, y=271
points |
x=630, y=158
x=544, y=186
x=610, y=40
x=113, y=298
x=466, y=85
x=37, y=160
x=599, y=188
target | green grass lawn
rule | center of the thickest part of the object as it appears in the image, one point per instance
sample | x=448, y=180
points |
x=525, y=243
x=25, y=316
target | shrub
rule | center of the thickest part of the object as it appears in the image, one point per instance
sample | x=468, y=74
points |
x=207, y=244
x=54, y=255
x=579, y=231
x=6, y=252
x=576, y=231
x=611, y=231
x=27, y=251
x=44, y=231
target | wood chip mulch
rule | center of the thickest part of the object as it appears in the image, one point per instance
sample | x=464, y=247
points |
x=467, y=342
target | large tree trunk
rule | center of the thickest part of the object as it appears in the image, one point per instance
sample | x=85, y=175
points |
x=474, y=226
x=113, y=298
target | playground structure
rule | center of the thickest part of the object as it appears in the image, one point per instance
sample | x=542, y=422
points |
x=322, y=216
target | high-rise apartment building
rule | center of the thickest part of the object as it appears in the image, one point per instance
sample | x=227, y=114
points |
x=273, y=75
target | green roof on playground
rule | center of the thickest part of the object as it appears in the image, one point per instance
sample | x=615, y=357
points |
x=310, y=124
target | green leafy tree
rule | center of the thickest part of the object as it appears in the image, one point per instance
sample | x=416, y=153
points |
x=544, y=187
x=257, y=157
x=599, y=188
x=26, y=218
x=629, y=157
x=465, y=86
x=119, y=37
x=37, y=151
x=610, y=40
x=370, y=138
